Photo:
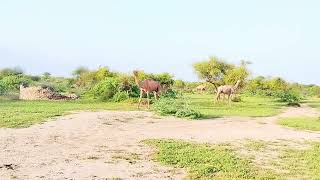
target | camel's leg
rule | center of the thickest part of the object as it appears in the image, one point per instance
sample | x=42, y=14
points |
x=148, y=96
x=229, y=99
x=141, y=94
x=155, y=95
x=218, y=97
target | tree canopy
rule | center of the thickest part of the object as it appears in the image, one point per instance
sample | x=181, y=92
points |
x=218, y=72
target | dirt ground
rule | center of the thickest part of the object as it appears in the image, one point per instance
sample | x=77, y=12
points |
x=100, y=145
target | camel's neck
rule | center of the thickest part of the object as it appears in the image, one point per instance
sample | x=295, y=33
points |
x=137, y=81
x=235, y=87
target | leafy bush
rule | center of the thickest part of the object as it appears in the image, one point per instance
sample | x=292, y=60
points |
x=3, y=89
x=128, y=85
x=12, y=82
x=169, y=94
x=170, y=106
x=105, y=89
x=188, y=113
x=288, y=97
x=120, y=96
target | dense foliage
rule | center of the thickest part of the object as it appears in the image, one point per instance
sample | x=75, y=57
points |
x=105, y=89
x=278, y=88
x=104, y=84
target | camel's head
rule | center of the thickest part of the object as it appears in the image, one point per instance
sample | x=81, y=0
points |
x=135, y=73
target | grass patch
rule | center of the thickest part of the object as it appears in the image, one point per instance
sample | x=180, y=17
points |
x=248, y=107
x=302, y=123
x=204, y=161
x=301, y=164
x=315, y=102
x=19, y=114
x=255, y=145
x=278, y=160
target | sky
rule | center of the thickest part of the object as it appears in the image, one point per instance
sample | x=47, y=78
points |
x=280, y=38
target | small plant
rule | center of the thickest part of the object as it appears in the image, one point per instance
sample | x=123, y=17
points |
x=189, y=113
x=169, y=94
x=170, y=106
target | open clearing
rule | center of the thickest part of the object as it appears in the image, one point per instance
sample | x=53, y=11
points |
x=107, y=144
x=21, y=114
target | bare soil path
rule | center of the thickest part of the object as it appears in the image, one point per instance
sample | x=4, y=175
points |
x=100, y=145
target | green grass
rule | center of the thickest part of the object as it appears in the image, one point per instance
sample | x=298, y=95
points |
x=203, y=161
x=302, y=123
x=248, y=107
x=315, y=102
x=300, y=164
x=279, y=160
x=18, y=114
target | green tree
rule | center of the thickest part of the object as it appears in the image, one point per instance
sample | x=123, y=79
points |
x=79, y=71
x=11, y=71
x=277, y=84
x=46, y=75
x=164, y=79
x=217, y=72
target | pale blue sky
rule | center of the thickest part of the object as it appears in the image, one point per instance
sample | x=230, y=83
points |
x=281, y=37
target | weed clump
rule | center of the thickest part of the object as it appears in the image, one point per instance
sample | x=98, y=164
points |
x=120, y=96
x=175, y=107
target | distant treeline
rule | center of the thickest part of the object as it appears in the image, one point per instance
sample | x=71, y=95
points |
x=108, y=85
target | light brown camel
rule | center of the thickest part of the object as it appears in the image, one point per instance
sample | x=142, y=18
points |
x=147, y=86
x=201, y=88
x=227, y=90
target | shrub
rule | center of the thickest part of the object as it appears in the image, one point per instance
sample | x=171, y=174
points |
x=120, y=96
x=12, y=82
x=170, y=106
x=189, y=113
x=169, y=94
x=3, y=89
x=288, y=96
x=105, y=89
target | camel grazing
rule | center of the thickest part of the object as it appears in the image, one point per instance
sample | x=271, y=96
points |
x=147, y=86
x=227, y=90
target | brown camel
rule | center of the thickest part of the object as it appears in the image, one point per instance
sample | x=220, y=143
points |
x=227, y=90
x=147, y=86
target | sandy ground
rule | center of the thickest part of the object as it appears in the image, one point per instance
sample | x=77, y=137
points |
x=101, y=145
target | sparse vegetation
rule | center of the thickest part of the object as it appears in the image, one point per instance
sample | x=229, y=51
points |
x=18, y=114
x=255, y=145
x=253, y=106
